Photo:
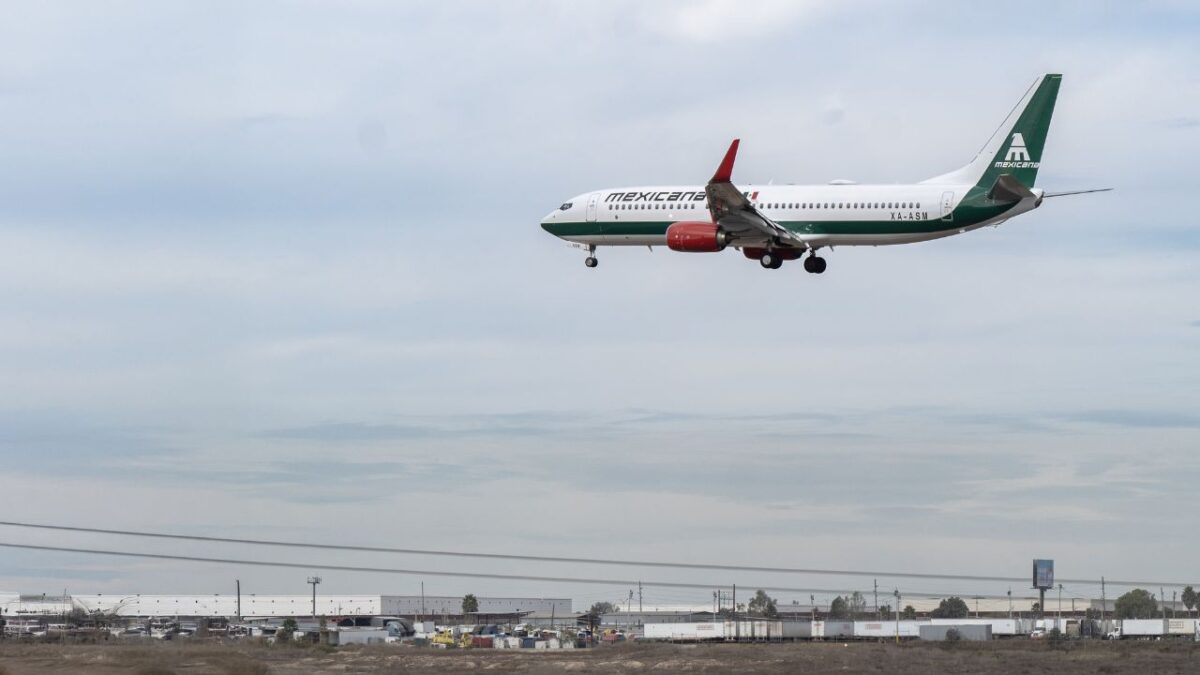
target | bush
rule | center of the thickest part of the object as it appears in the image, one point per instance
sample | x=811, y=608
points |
x=953, y=635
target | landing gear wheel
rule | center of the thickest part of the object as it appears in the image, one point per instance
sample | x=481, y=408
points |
x=770, y=261
x=591, y=261
x=814, y=264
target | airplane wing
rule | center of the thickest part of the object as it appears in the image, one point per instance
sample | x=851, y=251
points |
x=735, y=213
x=1075, y=192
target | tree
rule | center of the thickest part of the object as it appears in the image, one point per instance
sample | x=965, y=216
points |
x=909, y=613
x=857, y=604
x=1136, y=604
x=470, y=604
x=1189, y=598
x=593, y=614
x=286, y=631
x=602, y=608
x=885, y=611
x=762, y=605
x=838, y=609
x=952, y=607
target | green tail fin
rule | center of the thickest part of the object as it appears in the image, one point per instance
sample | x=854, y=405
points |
x=1016, y=147
x=1020, y=149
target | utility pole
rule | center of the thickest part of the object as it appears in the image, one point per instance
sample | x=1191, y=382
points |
x=714, y=605
x=1163, y=599
x=1010, y=602
x=812, y=603
x=422, y=601
x=876, y=581
x=639, y=597
x=314, y=581
x=737, y=629
x=897, y=594
x=239, y=599
x=1060, y=607
x=1173, y=604
x=1103, y=606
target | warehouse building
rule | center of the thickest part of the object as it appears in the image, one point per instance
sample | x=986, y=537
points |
x=270, y=606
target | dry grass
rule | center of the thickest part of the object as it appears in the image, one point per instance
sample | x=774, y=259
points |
x=1014, y=657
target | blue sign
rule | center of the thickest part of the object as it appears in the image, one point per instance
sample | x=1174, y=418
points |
x=1043, y=574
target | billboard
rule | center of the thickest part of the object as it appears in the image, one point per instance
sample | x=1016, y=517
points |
x=1043, y=574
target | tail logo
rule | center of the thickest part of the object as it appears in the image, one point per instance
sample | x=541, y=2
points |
x=1016, y=149
x=1017, y=156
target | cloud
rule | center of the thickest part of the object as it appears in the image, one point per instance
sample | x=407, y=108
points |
x=1143, y=419
x=711, y=21
x=1182, y=122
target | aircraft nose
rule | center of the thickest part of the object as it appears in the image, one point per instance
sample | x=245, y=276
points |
x=549, y=222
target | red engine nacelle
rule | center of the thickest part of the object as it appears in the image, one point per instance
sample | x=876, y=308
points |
x=696, y=237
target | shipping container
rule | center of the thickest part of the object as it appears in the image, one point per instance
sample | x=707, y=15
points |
x=793, y=630
x=1181, y=626
x=1131, y=628
x=755, y=630
x=971, y=632
x=1000, y=627
x=684, y=632
x=833, y=629
x=482, y=642
x=887, y=629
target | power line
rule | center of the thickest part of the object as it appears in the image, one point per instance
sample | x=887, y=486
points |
x=432, y=573
x=563, y=559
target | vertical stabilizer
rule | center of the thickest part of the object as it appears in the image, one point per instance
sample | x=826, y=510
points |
x=1016, y=147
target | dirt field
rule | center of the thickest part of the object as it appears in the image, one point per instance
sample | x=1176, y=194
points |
x=1002, y=657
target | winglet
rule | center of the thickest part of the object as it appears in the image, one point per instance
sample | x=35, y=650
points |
x=725, y=171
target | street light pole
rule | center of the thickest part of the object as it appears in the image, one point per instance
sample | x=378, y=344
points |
x=314, y=581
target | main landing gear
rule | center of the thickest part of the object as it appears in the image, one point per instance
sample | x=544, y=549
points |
x=591, y=261
x=814, y=264
x=772, y=259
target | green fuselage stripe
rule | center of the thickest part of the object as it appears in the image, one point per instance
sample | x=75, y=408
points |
x=965, y=215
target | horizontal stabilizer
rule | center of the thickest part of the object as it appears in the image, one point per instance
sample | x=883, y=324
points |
x=1076, y=192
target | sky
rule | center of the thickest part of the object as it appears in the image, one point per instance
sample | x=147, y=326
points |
x=275, y=270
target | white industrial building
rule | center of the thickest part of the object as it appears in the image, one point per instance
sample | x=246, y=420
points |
x=251, y=605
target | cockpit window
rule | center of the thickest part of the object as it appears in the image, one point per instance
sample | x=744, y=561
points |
x=565, y=206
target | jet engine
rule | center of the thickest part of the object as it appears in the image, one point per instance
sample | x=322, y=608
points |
x=696, y=237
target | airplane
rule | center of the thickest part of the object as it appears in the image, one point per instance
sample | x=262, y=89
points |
x=778, y=223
